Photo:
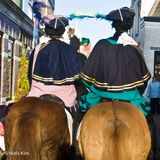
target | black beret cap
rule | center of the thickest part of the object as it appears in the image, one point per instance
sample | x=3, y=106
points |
x=121, y=14
x=57, y=23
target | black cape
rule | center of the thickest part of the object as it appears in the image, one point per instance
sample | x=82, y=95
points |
x=57, y=63
x=115, y=67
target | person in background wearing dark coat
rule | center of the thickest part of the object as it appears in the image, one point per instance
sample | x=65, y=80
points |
x=75, y=43
x=85, y=46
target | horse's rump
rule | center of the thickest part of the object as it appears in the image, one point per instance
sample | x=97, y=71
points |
x=36, y=129
x=114, y=131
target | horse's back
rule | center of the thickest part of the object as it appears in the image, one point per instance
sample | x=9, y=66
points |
x=39, y=118
x=114, y=129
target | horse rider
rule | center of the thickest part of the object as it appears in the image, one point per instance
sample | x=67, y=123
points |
x=116, y=69
x=54, y=66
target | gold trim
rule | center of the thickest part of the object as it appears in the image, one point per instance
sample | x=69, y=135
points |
x=42, y=78
x=115, y=89
x=140, y=53
x=118, y=88
x=70, y=79
x=92, y=79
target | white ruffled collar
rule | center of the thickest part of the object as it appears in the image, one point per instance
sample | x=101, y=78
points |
x=125, y=39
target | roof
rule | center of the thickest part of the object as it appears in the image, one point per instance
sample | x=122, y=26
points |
x=155, y=10
x=152, y=19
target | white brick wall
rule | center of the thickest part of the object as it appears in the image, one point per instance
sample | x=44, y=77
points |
x=151, y=38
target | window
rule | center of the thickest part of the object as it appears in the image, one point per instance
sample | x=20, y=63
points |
x=18, y=3
x=157, y=64
x=0, y=58
x=10, y=70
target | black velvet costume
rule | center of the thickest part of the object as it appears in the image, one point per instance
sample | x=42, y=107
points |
x=57, y=64
x=114, y=67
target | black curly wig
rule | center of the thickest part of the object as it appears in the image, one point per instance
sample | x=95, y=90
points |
x=54, y=32
x=124, y=25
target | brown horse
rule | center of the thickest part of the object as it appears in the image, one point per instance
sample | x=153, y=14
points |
x=37, y=129
x=114, y=131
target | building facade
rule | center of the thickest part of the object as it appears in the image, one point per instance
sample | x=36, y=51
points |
x=16, y=36
x=146, y=31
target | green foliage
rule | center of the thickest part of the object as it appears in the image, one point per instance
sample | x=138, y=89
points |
x=23, y=83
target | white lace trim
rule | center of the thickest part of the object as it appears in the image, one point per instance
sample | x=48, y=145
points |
x=125, y=39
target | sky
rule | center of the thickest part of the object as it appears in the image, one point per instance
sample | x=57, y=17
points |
x=94, y=29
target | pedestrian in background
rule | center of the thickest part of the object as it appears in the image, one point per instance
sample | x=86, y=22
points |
x=75, y=43
x=153, y=92
x=85, y=46
x=74, y=40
